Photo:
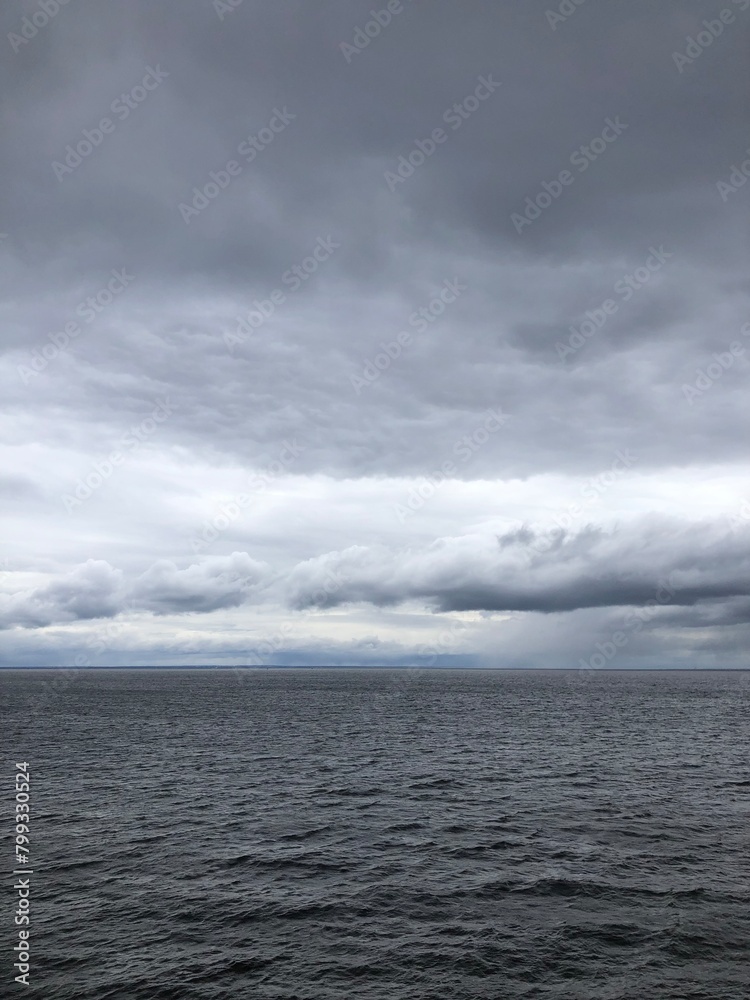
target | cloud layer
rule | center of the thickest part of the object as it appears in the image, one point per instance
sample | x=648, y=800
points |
x=359, y=324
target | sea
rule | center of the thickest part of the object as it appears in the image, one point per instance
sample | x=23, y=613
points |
x=379, y=834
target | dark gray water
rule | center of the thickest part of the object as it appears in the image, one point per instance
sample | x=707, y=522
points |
x=379, y=834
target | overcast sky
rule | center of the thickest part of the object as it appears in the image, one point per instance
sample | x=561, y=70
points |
x=420, y=337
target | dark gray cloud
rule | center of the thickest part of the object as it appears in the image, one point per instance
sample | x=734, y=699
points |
x=91, y=590
x=657, y=563
x=97, y=590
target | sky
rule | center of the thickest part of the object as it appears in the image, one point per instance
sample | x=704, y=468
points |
x=375, y=333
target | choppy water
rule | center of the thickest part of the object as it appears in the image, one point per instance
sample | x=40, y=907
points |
x=321, y=834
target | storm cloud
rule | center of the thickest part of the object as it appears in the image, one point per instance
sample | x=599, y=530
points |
x=365, y=319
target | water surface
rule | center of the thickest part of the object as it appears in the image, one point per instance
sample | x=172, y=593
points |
x=331, y=834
